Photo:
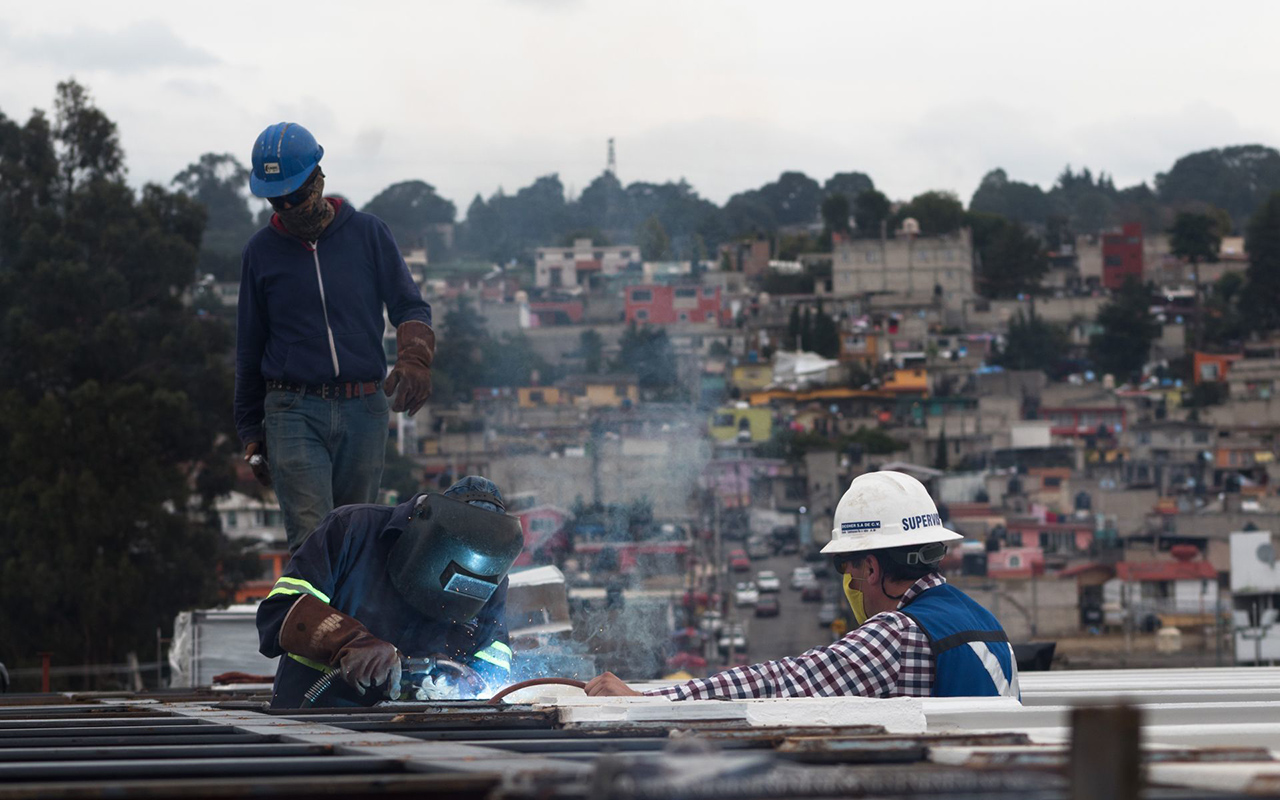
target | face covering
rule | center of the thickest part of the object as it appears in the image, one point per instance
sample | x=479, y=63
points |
x=855, y=600
x=308, y=220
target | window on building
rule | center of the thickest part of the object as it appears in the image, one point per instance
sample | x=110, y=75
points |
x=626, y=254
x=641, y=296
x=685, y=292
x=643, y=315
x=1200, y=437
x=568, y=255
x=711, y=316
x=1051, y=482
x=873, y=256
x=722, y=420
x=231, y=519
x=1015, y=561
x=620, y=390
x=924, y=256
x=535, y=397
x=1112, y=261
x=684, y=316
x=598, y=255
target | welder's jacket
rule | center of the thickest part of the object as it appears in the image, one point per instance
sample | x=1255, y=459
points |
x=344, y=564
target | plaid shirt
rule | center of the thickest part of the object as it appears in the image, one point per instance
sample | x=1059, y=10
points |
x=886, y=656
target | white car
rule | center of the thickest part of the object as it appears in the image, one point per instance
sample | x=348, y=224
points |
x=735, y=637
x=802, y=577
x=768, y=581
x=747, y=594
x=711, y=622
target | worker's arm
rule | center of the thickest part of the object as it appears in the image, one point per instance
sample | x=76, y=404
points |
x=402, y=297
x=492, y=656
x=866, y=662
x=313, y=570
x=251, y=343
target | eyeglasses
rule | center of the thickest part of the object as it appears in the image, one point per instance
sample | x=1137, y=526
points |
x=300, y=196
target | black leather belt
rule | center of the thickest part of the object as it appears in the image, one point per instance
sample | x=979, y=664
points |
x=327, y=390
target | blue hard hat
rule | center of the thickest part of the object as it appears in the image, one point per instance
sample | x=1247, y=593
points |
x=284, y=157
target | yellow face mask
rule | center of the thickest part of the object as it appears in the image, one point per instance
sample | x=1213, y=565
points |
x=855, y=600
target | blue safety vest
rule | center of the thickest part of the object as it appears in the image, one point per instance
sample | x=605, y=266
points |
x=972, y=656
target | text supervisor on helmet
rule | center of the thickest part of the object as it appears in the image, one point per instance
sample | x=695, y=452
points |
x=916, y=635
x=374, y=584
x=310, y=405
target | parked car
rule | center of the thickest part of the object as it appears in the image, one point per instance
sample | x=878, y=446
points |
x=827, y=614
x=789, y=547
x=768, y=581
x=813, y=593
x=747, y=594
x=768, y=606
x=738, y=561
x=711, y=622
x=758, y=547
x=802, y=577
x=734, y=637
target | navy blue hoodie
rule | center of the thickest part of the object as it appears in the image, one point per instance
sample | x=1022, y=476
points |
x=312, y=312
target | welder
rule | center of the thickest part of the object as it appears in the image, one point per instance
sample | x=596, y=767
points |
x=916, y=635
x=377, y=587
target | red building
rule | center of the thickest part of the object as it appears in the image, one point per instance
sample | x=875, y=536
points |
x=666, y=305
x=1122, y=255
x=545, y=539
x=1084, y=421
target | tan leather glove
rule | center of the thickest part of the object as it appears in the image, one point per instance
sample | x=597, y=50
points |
x=415, y=350
x=315, y=630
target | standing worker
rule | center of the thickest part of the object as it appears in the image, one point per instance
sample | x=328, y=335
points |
x=916, y=635
x=375, y=585
x=310, y=404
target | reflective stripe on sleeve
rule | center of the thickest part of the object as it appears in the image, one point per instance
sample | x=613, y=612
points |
x=494, y=660
x=297, y=586
x=306, y=662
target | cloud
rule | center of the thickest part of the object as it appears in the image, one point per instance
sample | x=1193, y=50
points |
x=137, y=47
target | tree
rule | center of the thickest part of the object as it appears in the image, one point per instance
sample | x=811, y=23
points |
x=1033, y=344
x=1127, y=332
x=591, y=345
x=1195, y=237
x=793, y=198
x=938, y=213
x=849, y=184
x=870, y=210
x=653, y=240
x=647, y=353
x=414, y=212
x=220, y=183
x=114, y=401
x=824, y=336
x=835, y=215
x=1011, y=259
x=1024, y=202
x=1238, y=179
x=1262, y=241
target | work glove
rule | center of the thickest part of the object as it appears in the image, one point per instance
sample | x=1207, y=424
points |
x=313, y=629
x=256, y=454
x=415, y=350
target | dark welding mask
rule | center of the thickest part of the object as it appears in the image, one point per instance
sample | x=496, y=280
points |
x=451, y=557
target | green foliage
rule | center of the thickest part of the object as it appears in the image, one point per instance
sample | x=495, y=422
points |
x=849, y=184
x=468, y=357
x=646, y=352
x=412, y=210
x=870, y=209
x=1238, y=179
x=938, y=213
x=220, y=184
x=876, y=442
x=1023, y=202
x=1196, y=237
x=1128, y=330
x=1033, y=343
x=835, y=214
x=114, y=400
x=654, y=243
x=1011, y=259
x=591, y=345
x=1261, y=304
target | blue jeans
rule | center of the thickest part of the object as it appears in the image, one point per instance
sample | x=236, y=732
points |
x=323, y=453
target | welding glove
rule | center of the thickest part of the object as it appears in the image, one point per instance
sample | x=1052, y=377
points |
x=415, y=350
x=313, y=629
x=258, y=465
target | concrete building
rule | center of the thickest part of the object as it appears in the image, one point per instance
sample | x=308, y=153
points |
x=912, y=266
x=576, y=265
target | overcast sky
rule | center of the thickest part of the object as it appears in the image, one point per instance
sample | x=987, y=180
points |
x=471, y=95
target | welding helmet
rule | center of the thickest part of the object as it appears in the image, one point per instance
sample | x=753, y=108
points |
x=889, y=510
x=284, y=156
x=455, y=550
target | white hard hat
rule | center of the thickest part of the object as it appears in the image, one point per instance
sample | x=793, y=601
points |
x=886, y=509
